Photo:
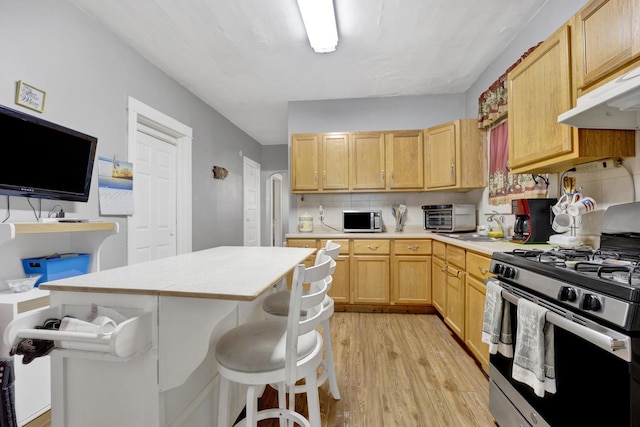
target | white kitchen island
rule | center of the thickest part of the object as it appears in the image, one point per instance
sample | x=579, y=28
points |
x=157, y=368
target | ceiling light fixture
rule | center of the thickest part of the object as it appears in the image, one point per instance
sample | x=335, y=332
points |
x=320, y=22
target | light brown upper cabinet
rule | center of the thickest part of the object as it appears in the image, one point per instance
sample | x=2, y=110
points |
x=405, y=160
x=455, y=156
x=367, y=163
x=604, y=40
x=320, y=162
x=540, y=88
x=387, y=161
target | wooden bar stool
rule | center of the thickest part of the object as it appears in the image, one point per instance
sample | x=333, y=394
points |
x=277, y=305
x=277, y=352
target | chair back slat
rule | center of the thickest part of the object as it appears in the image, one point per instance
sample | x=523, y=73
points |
x=332, y=249
x=310, y=301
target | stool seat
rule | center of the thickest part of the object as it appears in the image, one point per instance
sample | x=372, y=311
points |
x=260, y=346
x=277, y=304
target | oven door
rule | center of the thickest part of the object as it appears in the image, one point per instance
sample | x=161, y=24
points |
x=596, y=380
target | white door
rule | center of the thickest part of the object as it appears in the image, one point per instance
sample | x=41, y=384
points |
x=154, y=190
x=251, y=205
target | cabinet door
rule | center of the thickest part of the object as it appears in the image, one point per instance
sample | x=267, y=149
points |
x=454, y=316
x=441, y=156
x=340, y=291
x=439, y=285
x=370, y=279
x=539, y=90
x=405, y=160
x=474, y=316
x=335, y=161
x=305, y=160
x=367, y=160
x=411, y=279
x=605, y=39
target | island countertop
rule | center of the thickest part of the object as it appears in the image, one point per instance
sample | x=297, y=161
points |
x=238, y=273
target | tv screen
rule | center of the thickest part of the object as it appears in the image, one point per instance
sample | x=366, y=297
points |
x=44, y=160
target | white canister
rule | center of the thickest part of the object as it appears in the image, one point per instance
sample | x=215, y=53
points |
x=305, y=223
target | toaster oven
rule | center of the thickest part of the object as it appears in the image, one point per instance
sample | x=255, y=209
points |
x=450, y=218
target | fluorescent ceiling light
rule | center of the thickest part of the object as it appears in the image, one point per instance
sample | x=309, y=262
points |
x=320, y=22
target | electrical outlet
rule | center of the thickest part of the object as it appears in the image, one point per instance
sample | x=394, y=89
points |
x=321, y=212
x=598, y=165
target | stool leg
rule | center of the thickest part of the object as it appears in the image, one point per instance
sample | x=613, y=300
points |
x=313, y=399
x=282, y=402
x=252, y=406
x=330, y=365
x=223, y=403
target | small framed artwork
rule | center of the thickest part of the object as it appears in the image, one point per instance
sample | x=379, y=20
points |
x=30, y=96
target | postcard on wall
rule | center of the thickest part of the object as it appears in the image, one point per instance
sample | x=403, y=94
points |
x=115, y=186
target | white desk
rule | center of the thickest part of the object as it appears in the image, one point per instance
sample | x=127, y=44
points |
x=181, y=306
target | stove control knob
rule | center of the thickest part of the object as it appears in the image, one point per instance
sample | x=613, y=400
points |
x=498, y=269
x=591, y=302
x=568, y=294
x=510, y=272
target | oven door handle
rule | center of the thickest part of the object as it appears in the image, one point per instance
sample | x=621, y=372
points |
x=618, y=346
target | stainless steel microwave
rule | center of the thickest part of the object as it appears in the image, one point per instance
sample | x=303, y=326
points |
x=449, y=218
x=368, y=221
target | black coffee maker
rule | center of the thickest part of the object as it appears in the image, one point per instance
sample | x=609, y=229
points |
x=534, y=218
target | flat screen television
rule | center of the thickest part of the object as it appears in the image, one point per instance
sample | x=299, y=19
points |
x=44, y=160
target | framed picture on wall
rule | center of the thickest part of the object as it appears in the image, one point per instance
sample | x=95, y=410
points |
x=30, y=96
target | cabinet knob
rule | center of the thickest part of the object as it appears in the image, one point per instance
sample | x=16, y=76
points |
x=413, y=248
x=483, y=270
x=373, y=248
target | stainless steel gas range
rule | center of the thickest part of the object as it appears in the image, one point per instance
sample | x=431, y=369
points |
x=593, y=301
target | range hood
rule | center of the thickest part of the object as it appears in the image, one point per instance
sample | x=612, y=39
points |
x=614, y=105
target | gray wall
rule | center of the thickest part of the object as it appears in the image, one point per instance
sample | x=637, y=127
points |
x=88, y=75
x=369, y=114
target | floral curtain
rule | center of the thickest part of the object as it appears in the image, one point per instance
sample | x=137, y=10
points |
x=504, y=186
x=492, y=104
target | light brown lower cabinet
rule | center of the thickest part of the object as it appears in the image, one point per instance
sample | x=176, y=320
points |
x=370, y=271
x=411, y=272
x=454, y=316
x=474, y=315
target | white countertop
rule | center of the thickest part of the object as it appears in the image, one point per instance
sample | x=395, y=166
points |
x=417, y=232
x=227, y=272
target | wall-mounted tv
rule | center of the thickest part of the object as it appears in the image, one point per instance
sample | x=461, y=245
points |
x=44, y=160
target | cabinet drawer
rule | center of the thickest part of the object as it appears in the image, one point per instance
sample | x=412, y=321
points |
x=478, y=265
x=371, y=247
x=439, y=249
x=412, y=247
x=302, y=243
x=456, y=256
x=344, y=245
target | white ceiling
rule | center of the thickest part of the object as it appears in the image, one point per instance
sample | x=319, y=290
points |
x=248, y=58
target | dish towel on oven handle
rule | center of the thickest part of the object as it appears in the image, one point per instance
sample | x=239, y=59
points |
x=496, y=324
x=533, y=361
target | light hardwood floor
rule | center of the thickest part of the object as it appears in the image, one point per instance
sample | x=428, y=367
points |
x=398, y=370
